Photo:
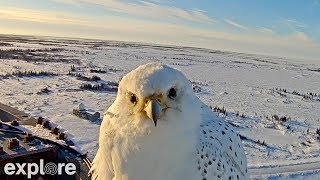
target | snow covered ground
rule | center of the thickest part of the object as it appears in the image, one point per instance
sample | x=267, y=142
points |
x=285, y=146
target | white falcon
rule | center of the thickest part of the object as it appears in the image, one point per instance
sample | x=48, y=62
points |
x=157, y=129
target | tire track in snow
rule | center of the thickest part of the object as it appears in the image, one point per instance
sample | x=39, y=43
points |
x=290, y=168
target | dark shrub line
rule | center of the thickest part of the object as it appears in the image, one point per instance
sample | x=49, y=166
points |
x=97, y=71
x=84, y=78
x=104, y=71
x=224, y=111
x=100, y=87
x=30, y=74
x=308, y=95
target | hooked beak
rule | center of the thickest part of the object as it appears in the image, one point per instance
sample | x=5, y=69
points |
x=153, y=110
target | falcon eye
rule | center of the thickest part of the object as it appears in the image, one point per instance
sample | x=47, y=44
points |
x=133, y=99
x=172, y=93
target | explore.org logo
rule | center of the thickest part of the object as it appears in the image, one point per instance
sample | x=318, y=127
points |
x=32, y=169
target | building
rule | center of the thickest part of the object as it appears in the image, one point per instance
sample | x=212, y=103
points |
x=20, y=147
x=89, y=114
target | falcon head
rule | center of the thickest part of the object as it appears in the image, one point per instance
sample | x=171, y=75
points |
x=150, y=91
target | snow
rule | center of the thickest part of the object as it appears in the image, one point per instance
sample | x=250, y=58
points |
x=272, y=136
x=239, y=82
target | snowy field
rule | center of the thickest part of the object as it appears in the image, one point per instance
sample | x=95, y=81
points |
x=273, y=102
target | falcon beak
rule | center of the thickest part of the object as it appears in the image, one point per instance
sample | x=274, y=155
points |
x=153, y=110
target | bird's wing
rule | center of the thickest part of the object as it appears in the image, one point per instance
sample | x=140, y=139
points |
x=220, y=152
x=102, y=164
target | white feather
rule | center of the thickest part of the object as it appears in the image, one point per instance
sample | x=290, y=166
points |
x=186, y=138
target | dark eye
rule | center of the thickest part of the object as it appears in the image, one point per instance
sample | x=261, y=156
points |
x=172, y=93
x=133, y=98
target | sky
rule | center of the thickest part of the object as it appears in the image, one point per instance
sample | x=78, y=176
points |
x=289, y=28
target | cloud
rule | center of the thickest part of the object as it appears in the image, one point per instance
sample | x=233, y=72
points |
x=292, y=23
x=316, y=3
x=160, y=1
x=255, y=40
x=265, y=30
x=40, y=16
x=301, y=36
x=235, y=24
x=147, y=9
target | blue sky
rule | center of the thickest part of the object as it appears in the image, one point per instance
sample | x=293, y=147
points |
x=282, y=28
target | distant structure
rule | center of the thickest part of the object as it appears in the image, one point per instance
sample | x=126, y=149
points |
x=89, y=114
x=17, y=146
x=20, y=147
